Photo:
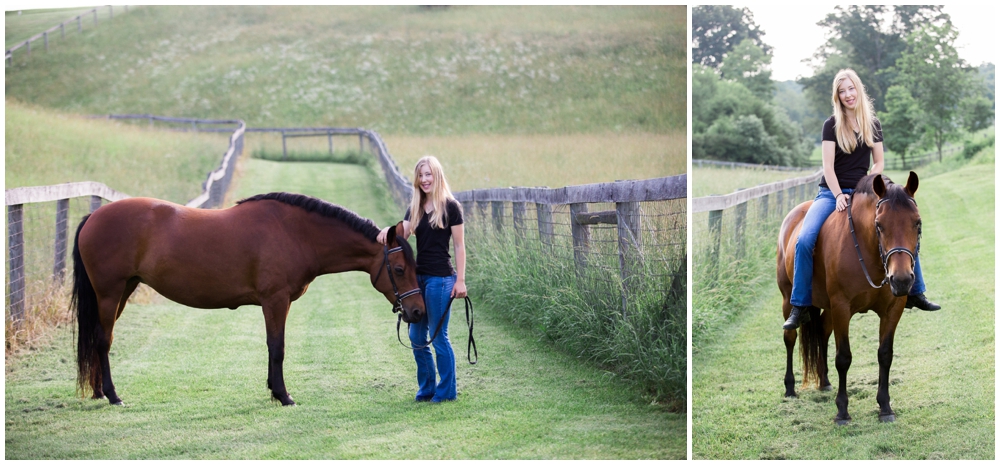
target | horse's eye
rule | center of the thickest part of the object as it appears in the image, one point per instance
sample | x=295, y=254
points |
x=399, y=270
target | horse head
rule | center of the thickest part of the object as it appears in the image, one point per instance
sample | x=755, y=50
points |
x=897, y=228
x=397, y=277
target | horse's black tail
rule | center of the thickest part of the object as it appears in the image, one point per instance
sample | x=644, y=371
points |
x=811, y=337
x=84, y=300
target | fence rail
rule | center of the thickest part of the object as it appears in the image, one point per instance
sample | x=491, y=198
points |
x=733, y=164
x=44, y=35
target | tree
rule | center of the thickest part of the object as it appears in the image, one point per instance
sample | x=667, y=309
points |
x=731, y=123
x=715, y=30
x=749, y=65
x=869, y=40
x=901, y=121
x=936, y=77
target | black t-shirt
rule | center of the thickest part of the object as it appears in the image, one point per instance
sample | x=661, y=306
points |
x=433, y=257
x=849, y=167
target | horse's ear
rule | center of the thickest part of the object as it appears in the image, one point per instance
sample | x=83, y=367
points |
x=390, y=236
x=878, y=185
x=911, y=184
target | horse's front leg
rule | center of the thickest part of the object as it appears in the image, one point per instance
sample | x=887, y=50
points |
x=841, y=321
x=887, y=331
x=275, y=314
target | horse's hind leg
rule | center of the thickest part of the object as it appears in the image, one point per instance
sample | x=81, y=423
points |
x=275, y=314
x=824, y=367
x=110, y=304
x=790, y=336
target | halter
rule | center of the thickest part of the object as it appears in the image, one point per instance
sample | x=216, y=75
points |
x=397, y=306
x=881, y=251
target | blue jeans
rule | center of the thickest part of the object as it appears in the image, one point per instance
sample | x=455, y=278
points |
x=437, y=293
x=823, y=205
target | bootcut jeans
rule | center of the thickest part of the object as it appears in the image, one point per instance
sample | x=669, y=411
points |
x=437, y=293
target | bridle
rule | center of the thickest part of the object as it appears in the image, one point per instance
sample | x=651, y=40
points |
x=397, y=306
x=881, y=251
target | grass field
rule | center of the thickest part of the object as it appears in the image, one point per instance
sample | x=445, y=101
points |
x=20, y=25
x=193, y=380
x=399, y=70
x=721, y=181
x=43, y=147
x=942, y=378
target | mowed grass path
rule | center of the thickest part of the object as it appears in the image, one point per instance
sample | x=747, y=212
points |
x=194, y=380
x=942, y=381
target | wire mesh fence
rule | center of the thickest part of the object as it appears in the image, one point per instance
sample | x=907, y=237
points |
x=39, y=243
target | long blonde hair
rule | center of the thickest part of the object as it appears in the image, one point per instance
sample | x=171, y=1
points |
x=863, y=111
x=440, y=194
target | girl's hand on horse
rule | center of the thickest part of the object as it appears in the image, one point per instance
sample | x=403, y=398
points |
x=842, y=202
x=458, y=291
x=381, y=235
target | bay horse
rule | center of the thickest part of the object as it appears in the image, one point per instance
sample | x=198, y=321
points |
x=263, y=251
x=886, y=223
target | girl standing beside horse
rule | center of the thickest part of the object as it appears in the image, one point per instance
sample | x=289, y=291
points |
x=436, y=218
x=852, y=138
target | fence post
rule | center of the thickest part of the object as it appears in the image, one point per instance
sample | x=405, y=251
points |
x=15, y=254
x=467, y=211
x=79, y=23
x=629, y=246
x=544, y=213
x=497, y=216
x=481, y=210
x=95, y=203
x=284, y=148
x=361, y=142
x=329, y=139
x=45, y=36
x=581, y=235
x=95, y=16
x=111, y=12
x=62, y=222
x=763, y=208
x=779, y=204
x=715, y=233
x=518, y=210
x=741, y=216
x=28, y=44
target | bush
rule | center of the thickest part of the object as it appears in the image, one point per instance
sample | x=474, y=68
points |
x=972, y=147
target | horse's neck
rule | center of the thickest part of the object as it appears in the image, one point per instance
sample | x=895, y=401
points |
x=344, y=250
x=863, y=214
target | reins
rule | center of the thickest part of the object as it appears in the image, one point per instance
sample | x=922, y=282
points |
x=878, y=239
x=469, y=321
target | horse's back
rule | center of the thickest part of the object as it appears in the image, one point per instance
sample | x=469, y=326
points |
x=196, y=257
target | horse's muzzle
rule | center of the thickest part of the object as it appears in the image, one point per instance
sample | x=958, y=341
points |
x=413, y=315
x=901, y=283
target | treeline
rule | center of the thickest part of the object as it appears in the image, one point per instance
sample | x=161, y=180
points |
x=924, y=94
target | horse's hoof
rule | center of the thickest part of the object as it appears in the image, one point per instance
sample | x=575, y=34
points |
x=791, y=395
x=842, y=422
x=887, y=418
x=119, y=403
x=288, y=403
x=828, y=387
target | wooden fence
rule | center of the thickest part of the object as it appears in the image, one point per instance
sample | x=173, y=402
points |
x=761, y=206
x=700, y=163
x=61, y=27
x=21, y=268
x=632, y=224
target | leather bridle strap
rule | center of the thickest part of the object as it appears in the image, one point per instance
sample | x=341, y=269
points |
x=397, y=306
x=470, y=348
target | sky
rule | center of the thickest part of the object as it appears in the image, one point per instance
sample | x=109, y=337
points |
x=793, y=34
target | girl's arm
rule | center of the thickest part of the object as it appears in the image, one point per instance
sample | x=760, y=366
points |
x=458, y=235
x=829, y=152
x=385, y=231
x=879, y=158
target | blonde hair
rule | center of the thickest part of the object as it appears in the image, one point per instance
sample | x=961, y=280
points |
x=439, y=195
x=863, y=111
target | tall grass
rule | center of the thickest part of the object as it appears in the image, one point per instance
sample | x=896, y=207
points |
x=580, y=311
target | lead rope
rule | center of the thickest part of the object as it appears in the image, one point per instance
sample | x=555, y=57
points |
x=470, y=318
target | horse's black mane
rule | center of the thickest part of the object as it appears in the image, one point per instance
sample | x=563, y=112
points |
x=362, y=225
x=895, y=193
